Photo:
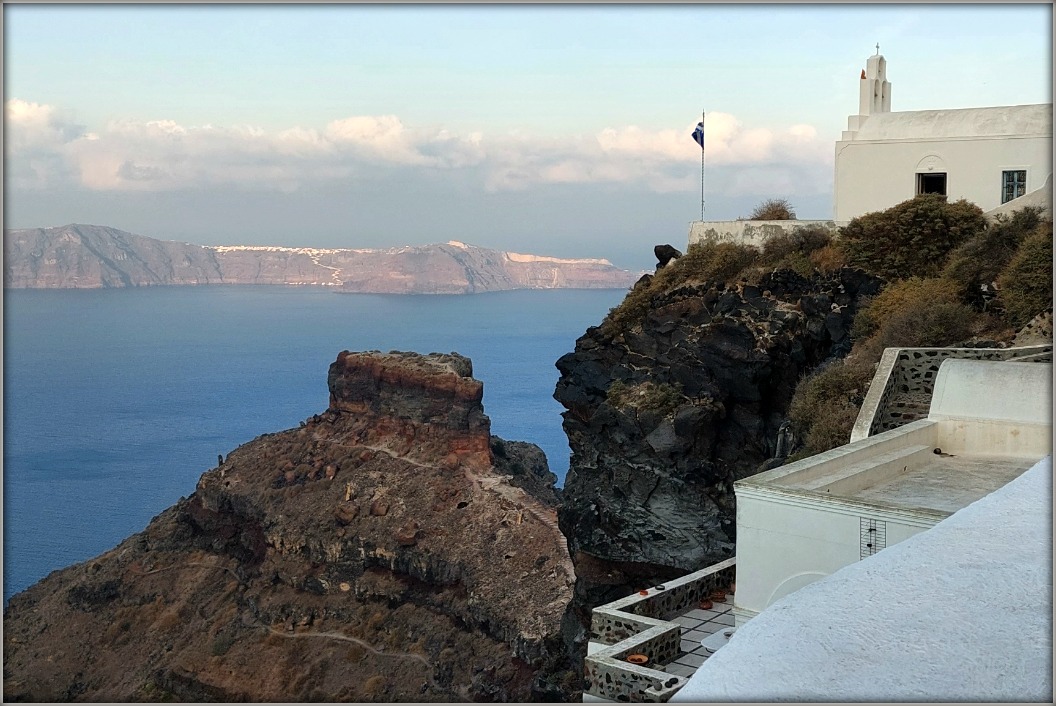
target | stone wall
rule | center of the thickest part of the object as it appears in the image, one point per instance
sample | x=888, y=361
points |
x=753, y=233
x=906, y=373
x=635, y=625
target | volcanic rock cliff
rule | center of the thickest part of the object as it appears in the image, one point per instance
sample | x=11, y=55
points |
x=664, y=413
x=86, y=256
x=376, y=553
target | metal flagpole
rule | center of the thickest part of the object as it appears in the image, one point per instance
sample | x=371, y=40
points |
x=702, y=116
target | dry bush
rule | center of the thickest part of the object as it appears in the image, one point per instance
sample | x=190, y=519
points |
x=825, y=405
x=912, y=238
x=913, y=294
x=1025, y=285
x=169, y=619
x=773, y=210
x=374, y=688
x=791, y=251
x=981, y=259
x=803, y=240
x=702, y=262
x=828, y=259
x=662, y=398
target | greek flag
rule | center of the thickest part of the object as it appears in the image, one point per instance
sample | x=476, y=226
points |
x=698, y=135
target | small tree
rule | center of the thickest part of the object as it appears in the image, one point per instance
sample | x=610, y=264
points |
x=773, y=210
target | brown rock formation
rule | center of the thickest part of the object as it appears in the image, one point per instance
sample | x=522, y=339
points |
x=373, y=554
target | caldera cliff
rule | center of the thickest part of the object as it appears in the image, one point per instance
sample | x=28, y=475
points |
x=680, y=392
x=389, y=549
x=78, y=256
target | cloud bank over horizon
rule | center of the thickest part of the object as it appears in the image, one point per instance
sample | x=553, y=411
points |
x=609, y=183
x=51, y=149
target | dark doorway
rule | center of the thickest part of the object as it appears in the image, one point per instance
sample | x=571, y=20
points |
x=931, y=183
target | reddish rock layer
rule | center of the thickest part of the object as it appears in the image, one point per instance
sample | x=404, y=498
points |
x=422, y=406
x=370, y=555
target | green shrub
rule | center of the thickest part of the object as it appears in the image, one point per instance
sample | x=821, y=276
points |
x=773, y=210
x=980, y=259
x=222, y=643
x=1025, y=285
x=825, y=405
x=938, y=324
x=911, y=238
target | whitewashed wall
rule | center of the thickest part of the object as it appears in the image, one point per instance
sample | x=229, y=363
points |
x=875, y=174
x=785, y=542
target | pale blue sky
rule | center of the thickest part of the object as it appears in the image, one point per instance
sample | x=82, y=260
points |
x=490, y=115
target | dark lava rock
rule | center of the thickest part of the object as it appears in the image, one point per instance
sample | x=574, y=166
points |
x=665, y=254
x=663, y=417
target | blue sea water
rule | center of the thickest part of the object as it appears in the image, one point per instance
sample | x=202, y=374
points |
x=117, y=400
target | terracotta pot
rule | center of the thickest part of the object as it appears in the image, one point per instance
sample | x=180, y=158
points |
x=638, y=659
x=706, y=604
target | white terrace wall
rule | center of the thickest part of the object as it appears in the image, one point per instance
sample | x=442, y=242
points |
x=753, y=233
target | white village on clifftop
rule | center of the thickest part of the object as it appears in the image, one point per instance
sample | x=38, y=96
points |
x=912, y=563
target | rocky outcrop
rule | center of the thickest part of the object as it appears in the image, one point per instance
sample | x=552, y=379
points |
x=373, y=554
x=664, y=415
x=84, y=256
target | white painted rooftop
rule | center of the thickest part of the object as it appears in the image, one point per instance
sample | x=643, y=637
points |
x=995, y=121
x=959, y=612
x=963, y=451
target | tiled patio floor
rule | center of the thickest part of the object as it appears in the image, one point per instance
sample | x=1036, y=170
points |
x=698, y=624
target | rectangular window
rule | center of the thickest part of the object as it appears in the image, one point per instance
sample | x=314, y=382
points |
x=931, y=183
x=1013, y=184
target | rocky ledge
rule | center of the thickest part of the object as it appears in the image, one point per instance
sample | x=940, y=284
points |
x=664, y=415
x=376, y=553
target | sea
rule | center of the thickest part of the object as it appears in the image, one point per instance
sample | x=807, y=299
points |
x=117, y=400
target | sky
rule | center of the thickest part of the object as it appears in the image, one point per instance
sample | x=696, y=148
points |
x=545, y=129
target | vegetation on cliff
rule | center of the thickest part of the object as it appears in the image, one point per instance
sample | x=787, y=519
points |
x=681, y=391
x=803, y=251
x=952, y=278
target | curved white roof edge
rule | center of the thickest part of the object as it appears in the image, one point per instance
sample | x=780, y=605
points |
x=959, y=612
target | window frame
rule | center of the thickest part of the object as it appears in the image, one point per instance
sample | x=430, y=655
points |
x=921, y=176
x=1021, y=186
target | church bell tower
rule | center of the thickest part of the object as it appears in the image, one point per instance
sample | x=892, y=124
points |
x=874, y=93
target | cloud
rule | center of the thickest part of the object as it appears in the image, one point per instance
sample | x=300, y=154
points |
x=46, y=146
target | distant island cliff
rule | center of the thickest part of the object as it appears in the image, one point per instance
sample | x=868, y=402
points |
x=91, y=257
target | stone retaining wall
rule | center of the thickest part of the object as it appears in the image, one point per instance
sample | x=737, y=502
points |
x=912, y=371
x=633, y=625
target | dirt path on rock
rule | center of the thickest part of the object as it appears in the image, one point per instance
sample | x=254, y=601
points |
x=496, y=484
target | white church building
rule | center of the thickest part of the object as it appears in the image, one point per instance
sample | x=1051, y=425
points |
x=988, y=156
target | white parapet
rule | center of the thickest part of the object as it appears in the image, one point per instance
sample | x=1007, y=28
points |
x=754, y=233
